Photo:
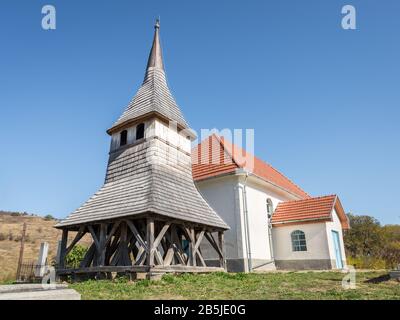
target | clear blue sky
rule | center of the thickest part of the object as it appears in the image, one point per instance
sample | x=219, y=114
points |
x=324, y=102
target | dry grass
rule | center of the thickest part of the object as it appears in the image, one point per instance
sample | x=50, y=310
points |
x=291, y=285
x=38, y=230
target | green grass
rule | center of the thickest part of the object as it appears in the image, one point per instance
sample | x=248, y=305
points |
x=292, y=285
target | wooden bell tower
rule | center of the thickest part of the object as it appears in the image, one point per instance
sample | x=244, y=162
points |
x=148, y=217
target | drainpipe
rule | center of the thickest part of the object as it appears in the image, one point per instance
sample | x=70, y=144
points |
x=246, y=222
x=271, y=248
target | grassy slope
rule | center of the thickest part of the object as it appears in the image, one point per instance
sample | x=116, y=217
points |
x=38, y=230
x=324, y=285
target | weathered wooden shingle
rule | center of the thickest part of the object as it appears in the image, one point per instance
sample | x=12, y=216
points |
x=148, y=184
x=154, y=94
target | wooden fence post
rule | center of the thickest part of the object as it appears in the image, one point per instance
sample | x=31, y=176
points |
x=21, y=251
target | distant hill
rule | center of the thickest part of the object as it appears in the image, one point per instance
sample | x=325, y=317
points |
x=38, y=229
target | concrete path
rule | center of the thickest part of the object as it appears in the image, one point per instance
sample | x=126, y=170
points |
x=37, y=292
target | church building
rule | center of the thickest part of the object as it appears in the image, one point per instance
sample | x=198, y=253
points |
x=164, y=207
x=274, y=224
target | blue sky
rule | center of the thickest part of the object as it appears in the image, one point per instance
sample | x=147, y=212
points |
x=323, y=101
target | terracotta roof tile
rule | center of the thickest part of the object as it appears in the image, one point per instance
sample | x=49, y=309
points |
x=215, y=156
x=312, y=209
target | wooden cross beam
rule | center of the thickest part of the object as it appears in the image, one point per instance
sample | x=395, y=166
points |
x=137, y=235
x=211, y=240
x=78, y=237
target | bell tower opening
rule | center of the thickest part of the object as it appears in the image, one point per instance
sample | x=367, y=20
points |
x=123, y=138
x=140, y=131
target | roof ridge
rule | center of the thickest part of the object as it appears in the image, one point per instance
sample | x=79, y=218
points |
x=276, y=170
x=308, y=199
x=263, y=161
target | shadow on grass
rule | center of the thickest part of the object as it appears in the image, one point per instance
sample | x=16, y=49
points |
x=379, y=279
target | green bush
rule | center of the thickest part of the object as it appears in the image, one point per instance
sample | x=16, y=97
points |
x=49, y=217
x=363, y=262
x=75, y=257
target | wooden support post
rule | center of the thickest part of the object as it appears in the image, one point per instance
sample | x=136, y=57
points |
x=63, y=249
x=101, y=256
x=150, y=242
x=123, y=246
x=192, y=248
x=221, y=244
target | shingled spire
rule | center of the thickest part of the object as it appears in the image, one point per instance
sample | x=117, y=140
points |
x=148, y=206
x=154, y=96
x=155, y=56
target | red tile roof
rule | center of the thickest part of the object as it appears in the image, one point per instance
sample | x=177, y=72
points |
x=309, y=210
x=216, y=156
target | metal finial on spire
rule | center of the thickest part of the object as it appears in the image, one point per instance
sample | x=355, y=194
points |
x=155, y=56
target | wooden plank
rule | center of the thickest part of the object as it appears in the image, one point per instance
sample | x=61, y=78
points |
x=176, y=243
x=137, y=235
x=211, y=240
x=112, y=232
x=161, y=235
x=178, y=268
x=198, y=241
x=192, y=251
x=150, y=241
x=78, y=237
x=87, y=259
x=94, y=236
x=63, y=248
x=104, y=269
x=200, y=256
x=221, y=244
x=141, y=256
x=113, y=246
x=169, y=256
x=123, y=246
x=101, y=254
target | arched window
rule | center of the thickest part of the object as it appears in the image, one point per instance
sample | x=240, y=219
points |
x=270, y=208
x=298, y=241
x=123, y=138
x=140, y=131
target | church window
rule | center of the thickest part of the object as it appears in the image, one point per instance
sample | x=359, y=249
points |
x=270, y=208
x=123, y=138
x=140, y=131
x=298, y=241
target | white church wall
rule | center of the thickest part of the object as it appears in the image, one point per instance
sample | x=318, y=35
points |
x=258, y=221
x=335, y=225
x=316, y=239
x=220, y=194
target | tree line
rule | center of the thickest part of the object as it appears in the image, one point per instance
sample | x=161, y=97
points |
x=368, y=244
